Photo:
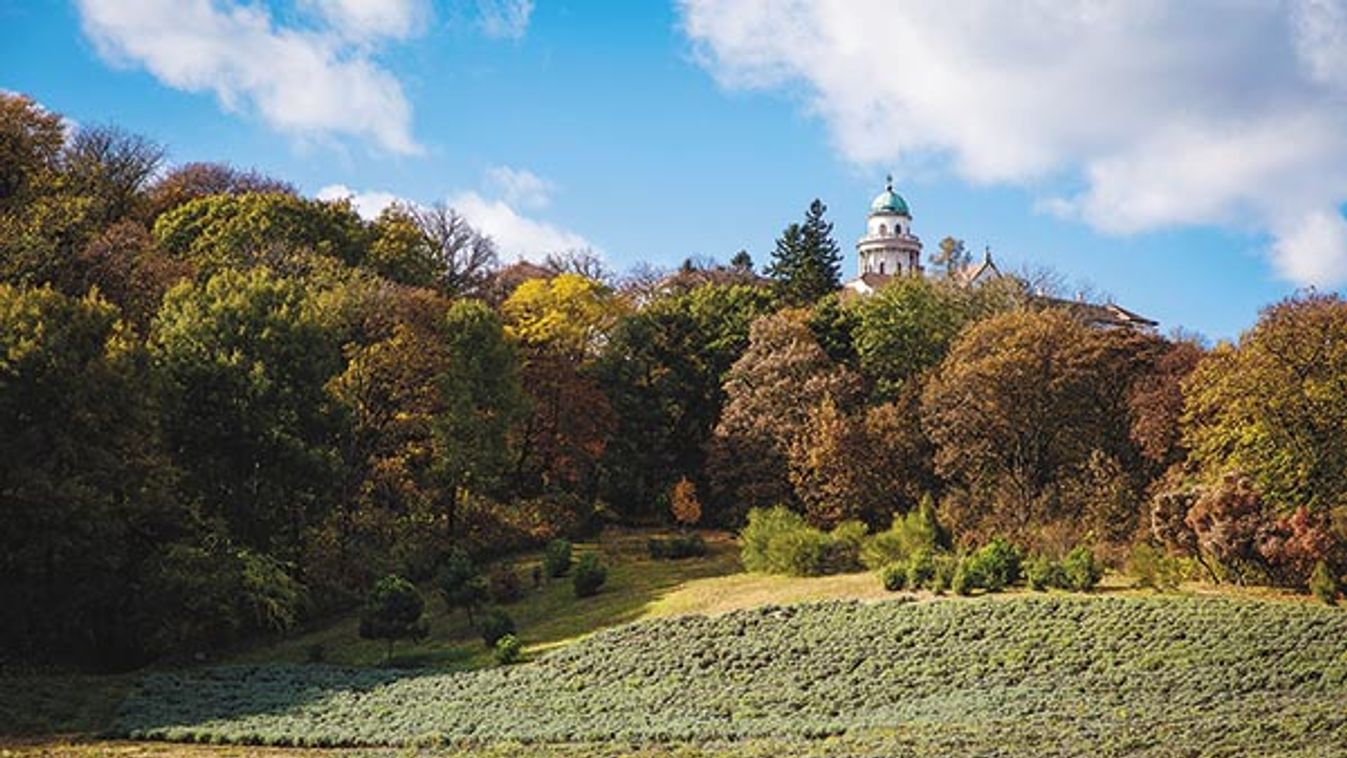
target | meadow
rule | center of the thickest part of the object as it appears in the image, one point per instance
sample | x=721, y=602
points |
x=1044, y=675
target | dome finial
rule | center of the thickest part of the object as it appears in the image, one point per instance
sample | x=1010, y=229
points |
x=888, y=182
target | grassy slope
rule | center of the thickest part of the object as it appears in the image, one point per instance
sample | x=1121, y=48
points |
x=549, y=617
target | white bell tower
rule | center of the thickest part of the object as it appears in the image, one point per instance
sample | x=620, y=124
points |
x=889, y=248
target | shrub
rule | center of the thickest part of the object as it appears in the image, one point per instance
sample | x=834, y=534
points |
x=507, y=649
x=844, y=547
x=590, y=575
x=894, y=576
x=918, y=530
x=676, y=547
x=779, y=541
x=804, y=552
x=496, y=625
x=504, y=586
x=765, y=524
x=943, y=577
x=1323, y=584
x=1153, y=568
x=964, y=581
x=994, y=566
x=557, y=557
x=1043, y=573
x=315, y=653
x=921, y=569
x=1080, y=571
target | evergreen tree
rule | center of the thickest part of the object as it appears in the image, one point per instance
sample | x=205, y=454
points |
x=394, y=611
x=742, y=261
x=807, y=261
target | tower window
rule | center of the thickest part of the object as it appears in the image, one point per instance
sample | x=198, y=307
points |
x=881, y=268
x=883, y=230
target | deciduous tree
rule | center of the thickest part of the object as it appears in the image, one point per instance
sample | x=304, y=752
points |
x=482, y=401
x=770, y=392
x=1275, y=405
x=249, y=415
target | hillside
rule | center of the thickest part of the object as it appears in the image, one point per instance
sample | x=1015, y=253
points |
x=1030, y=675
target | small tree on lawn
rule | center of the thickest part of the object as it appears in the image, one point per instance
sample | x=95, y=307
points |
x=393, y=612
x=687, y=510
x=461, y=585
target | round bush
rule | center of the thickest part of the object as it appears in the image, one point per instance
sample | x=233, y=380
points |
x=1323, y=584
x=964, y=581
x=557, y=557
x=495, y=626
x=996, y=565
x=894, y=576
x=508, y=649
x=1080, y=571
x=676, y=547
x=921, y=570
x=1043, y=573
x=590, y=575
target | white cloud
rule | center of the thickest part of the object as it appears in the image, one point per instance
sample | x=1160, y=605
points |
x=1167, y=112
x=368, y=204
x=303, y=82
x=516, y=235
x=504, y=19
x=1309, y=248
x=496, y=214
x=520, y=186
x=371, y=19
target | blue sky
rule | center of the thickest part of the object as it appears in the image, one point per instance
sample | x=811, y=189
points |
x=1121, y=147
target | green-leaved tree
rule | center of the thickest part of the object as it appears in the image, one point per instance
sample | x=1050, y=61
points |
x=807, y=263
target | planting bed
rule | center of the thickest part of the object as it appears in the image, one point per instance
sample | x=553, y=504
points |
x=1051, y=674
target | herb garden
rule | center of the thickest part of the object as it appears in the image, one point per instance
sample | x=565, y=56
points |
x=1157, y=676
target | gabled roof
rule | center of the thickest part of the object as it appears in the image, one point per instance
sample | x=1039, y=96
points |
x=975, y=272
x=1103, y=315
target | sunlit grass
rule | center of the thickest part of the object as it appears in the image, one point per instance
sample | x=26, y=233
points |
x=547, y=617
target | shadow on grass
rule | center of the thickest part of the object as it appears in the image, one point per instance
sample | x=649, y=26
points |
x=547, y=617
x=46, y=704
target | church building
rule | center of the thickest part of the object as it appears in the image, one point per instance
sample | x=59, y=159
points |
x=890, y=248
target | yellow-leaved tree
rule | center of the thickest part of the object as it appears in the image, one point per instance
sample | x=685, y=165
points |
x=568, y=313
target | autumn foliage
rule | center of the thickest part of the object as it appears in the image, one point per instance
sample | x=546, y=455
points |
x=227, y=408
x=683, y=502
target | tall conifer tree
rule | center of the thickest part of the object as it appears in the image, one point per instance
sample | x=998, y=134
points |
x=807, y=261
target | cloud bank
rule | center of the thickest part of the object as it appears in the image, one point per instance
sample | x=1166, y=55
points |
x=305, y=82
x=1157, y=113
x=310, y=73
x=495, y=213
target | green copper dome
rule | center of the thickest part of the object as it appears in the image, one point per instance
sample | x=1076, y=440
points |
x=889, y=201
